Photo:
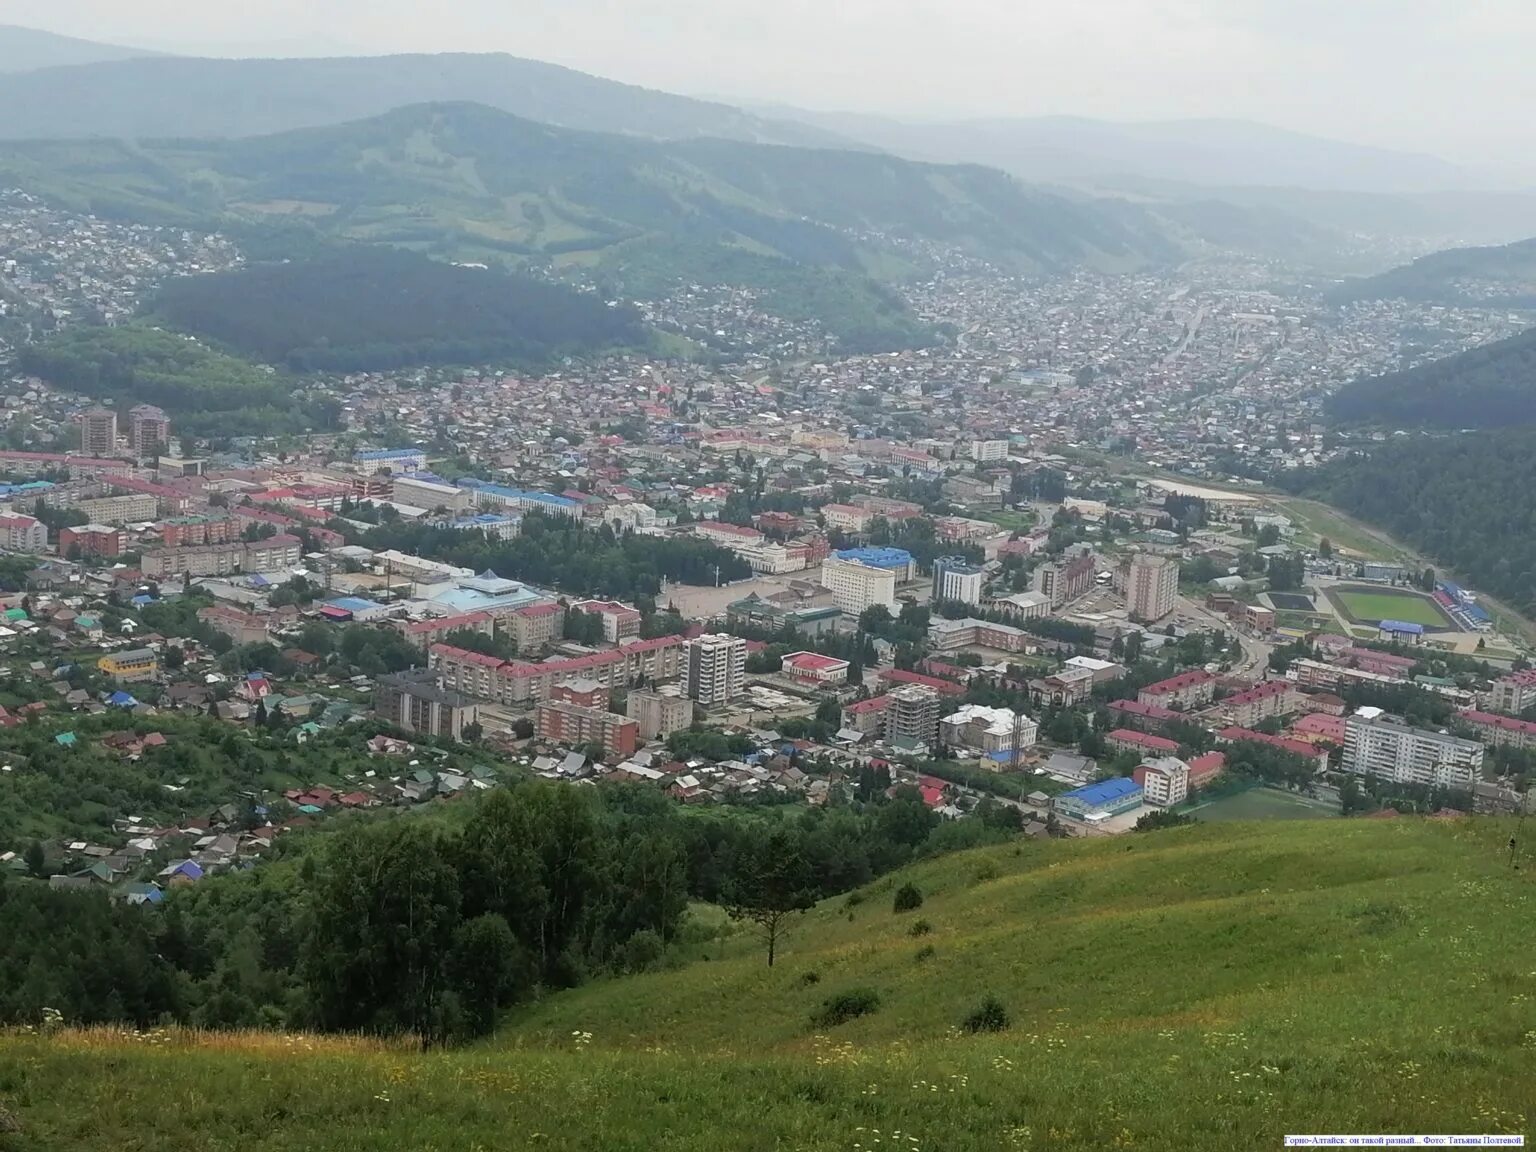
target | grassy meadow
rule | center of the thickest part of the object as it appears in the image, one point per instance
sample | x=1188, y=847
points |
x=1212, y=987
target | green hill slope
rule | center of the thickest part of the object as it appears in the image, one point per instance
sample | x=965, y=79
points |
x=469, y=178
x=1209, y=988
x=468, y=182
x=1491, y=277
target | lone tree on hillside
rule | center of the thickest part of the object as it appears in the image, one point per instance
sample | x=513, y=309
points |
x=774, y=884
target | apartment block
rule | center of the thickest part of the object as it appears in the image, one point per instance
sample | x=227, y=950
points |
x=573, y=725
x=1184, y=691
x=659, y=713
x=1377, y=746
x=1065, y=581
x=715, y=669
x=1164, y=781
x=1151, y=586
x=912, y=715
x=419, y=701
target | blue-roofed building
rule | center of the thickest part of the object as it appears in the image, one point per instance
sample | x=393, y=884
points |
x=486, y=592
x=1100, y=801
x=393, y=459
x=1401, y=630
x=897, y=560
x=521, y=500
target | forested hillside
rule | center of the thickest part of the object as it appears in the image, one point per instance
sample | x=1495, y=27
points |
x=1489, y=387
x=1464, y=500
x=466, y=182
x=206, y=393
x=1491, y=277
x=429, y=924
x=362, y=308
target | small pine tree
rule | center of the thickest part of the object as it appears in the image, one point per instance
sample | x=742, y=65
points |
x=908, y=898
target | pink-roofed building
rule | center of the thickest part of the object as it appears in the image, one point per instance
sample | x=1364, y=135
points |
x=1319, y=728
x=815, y=670
x=1505, y=730
x=1130, y=740
x=1186, y=690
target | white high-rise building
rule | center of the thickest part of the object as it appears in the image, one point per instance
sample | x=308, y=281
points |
x=955, y=579
x=1152, y=586
x=715, y=668
x=856, y=586
x=1376, y=746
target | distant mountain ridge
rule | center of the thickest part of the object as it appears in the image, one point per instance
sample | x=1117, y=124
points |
x=1086, y=152
x=163, y=97
x=1489, y=387
x=30, y=50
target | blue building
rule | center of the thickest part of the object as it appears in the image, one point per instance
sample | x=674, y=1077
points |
x=897, y=560
x=501, y=496
x=392, y=459
x=1402, y=630
x=1100, y=801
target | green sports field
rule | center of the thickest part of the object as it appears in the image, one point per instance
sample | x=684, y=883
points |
x=1265, y=804
x=1373, y=605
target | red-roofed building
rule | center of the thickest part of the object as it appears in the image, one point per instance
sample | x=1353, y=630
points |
x=1149, y=717
x=1184, y=691
x=1319, y=728
x=1203, y=769
x=1502, y=730
x=1271, y=698
x=620, y=621
x=866, y=716
x=815, y=670
x=535, y=626
x=1236, y=735
x=429, y=632
x=1129, y=740
x=518, y=681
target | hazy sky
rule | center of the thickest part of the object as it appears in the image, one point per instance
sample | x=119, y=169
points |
x=1450, y=76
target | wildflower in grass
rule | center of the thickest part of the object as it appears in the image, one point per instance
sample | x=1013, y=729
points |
x=581, y=1039
x=1018, y=1137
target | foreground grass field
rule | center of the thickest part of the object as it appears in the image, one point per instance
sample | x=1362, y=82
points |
x=1212, y=987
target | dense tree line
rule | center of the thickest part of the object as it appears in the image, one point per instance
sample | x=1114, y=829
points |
x=1455, y=497
x=1487, y=387
x=206, y=393
x=557, y=553
x=430, y=923
x=368, y=309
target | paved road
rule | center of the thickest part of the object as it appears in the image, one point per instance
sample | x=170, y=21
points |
x=1255, y=659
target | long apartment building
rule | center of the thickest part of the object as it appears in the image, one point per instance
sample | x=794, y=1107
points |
x=1502, y=730
x=1186, y=690
x=950, y=635
x=1514, y=693
x=1262, y=701
x=1389, y=750
x=1066, y=581
x=522, y=682
x=269, y=555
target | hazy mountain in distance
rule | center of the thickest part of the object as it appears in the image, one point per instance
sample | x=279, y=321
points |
x=167, y=97
x=28, y=50
x=1084, y=152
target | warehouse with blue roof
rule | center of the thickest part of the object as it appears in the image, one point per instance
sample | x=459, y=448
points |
x=1100, y=801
